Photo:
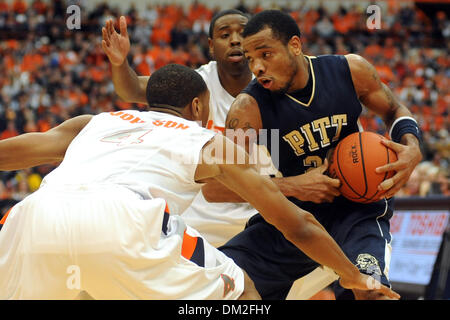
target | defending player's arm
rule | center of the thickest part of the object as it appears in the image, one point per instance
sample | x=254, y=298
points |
x=298, y=226
x=37, y=148
x=377, y=97
x=312, y=186
x=128, y=85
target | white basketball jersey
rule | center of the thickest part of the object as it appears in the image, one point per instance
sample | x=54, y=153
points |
x=217, y=222
x=153, y=154
x=101, y=213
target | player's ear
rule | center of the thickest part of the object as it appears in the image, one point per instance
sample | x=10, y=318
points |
x=196, y=109
x=295, y=45
x=211, y=47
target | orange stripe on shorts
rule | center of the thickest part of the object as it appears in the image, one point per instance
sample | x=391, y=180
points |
x=4, y=217
x=188, y=246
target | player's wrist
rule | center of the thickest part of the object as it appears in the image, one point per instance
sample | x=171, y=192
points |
x=409, y=139
x=286, y=185
x=351, y=272
x=120, y=65
x=403, y=128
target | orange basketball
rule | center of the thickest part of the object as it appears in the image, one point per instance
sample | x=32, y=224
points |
x=353, y=162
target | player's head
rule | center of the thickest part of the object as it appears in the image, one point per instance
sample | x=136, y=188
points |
x=272, y=46
x=181, y=89
x=225, y=40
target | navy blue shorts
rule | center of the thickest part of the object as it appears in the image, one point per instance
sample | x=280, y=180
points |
x=274, y=263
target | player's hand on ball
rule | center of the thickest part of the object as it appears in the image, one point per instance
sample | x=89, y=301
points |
x=116, y=45
x=316, y=186
x=367, y=284
x=409, y=157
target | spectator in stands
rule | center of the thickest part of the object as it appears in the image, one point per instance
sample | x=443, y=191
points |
x=48, y=73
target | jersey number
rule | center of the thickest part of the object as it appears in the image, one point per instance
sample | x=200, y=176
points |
x=127, y=137
x=312, y=162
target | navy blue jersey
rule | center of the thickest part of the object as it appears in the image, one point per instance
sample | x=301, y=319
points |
x=309, y=125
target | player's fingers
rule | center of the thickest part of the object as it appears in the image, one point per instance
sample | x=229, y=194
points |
x=334, y=183
x=392, y=145
x=326, y=199
x=387, y=167
x=111, y=27
x=389, y=292
x=331, y=182
x=386, y=184
x=105, y=47
x=391, y=192
x=335, y=192
x=123, y=26
x=108, y=27
x=324, y=166
x=105, y=36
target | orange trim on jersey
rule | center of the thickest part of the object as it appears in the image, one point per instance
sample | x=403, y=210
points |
x=188, y=246
x=165, y=221
x=4, y=217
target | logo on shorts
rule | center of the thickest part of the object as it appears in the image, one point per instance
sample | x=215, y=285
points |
x=368, y=264
x=228, y=284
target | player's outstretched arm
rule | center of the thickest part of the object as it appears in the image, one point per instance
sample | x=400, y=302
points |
x=298, y=226
x=377, y=97
x=128, y=85
x=36, y=148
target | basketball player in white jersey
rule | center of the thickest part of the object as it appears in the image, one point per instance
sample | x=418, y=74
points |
x=225, y=77
x=104, y=213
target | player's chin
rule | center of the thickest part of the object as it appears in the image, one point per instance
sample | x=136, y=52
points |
x=238, y=65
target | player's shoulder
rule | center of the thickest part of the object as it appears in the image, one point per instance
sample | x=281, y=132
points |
x=207, y=70
x=328, y=59
x=362, y=71
x=355, y=61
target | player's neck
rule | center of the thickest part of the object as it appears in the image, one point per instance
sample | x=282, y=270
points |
x=234, y=83
x=303, y=75
x=167, y=110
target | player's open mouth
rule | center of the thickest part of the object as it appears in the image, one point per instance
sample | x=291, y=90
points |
x=266, y=83
x=236, y=56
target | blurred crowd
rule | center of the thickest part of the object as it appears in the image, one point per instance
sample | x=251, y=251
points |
x=50, y=72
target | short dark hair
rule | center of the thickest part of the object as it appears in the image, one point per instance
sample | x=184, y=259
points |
x=174, y=85
x=283, y=26
x=222, y=13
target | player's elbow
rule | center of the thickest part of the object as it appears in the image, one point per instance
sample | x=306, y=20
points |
x=302, y=231
x=209, y=193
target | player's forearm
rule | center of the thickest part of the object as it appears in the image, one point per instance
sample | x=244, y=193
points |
x=316, y=243
x=26, y=151
x=215, y=191
x=127, y=84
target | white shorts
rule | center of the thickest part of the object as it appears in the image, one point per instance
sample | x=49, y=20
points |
x=217, y=222
x=108, y=242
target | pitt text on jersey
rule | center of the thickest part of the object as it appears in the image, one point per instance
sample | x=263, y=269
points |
x=308, y=142
x=314, y=136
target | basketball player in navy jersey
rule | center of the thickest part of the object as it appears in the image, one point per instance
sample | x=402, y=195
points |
x=312, y=103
